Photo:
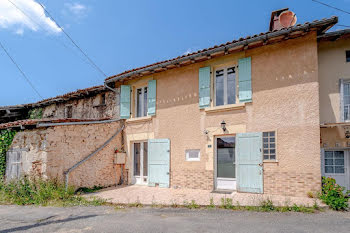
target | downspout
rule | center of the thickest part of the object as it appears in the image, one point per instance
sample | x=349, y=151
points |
x=106, y=86
x=66, y=173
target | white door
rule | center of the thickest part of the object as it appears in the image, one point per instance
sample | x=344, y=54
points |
x=140, y=162
x=225, y=163
x=336, y=165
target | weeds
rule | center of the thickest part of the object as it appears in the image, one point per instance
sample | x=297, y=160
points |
x=37, y=191
x=267, y=205
x=211, y=204
x=191, y=205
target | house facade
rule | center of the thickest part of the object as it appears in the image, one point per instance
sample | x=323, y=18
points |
x=334, y=78
x=240, y=116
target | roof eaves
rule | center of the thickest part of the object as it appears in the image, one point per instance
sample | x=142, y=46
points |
x=323, y=25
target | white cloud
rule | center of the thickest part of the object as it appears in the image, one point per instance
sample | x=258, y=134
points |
x=12, y=18
x=77, y=9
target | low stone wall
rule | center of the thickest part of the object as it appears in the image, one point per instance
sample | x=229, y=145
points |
x=58, y=148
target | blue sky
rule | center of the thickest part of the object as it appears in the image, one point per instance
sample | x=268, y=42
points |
x=121, y=35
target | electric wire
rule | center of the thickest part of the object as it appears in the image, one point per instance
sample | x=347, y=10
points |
x=76, y=45
x=336, y=8
x=20, y=70
x=59, y=41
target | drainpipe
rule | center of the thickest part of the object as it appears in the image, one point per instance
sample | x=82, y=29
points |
x=106, y=86
x=66, y=173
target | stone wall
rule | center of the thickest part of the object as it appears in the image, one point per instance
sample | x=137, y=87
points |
x=56, y=149
x=86, y=108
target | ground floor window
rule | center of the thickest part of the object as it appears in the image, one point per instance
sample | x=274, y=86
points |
x=334, y=162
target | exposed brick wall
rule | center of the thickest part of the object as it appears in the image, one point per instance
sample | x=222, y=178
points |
x=290, y=183
x=192, y=179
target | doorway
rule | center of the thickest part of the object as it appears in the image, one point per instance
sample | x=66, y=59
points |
x=140, y=162
x=336, y=164
x=225, y=163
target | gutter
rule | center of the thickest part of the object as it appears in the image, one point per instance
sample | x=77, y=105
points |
x=319, y=23
x=67, y=172
x=76, y=123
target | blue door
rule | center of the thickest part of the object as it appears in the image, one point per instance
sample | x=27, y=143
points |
x=249, y=162
x=158, y=162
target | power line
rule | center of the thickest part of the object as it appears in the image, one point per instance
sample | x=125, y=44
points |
x=338, y=9
x=20, y=70
x=36, y=23
x=342, y=25
x=70, y=38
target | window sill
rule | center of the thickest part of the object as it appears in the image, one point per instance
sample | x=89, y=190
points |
x=270, y=161
x=224, y=108
x=139, y=119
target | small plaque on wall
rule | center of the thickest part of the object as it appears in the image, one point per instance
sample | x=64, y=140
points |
x=209, y=146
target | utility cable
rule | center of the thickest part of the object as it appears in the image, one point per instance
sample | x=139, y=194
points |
x=76, y=45
x=20, y=70
x=338, y=9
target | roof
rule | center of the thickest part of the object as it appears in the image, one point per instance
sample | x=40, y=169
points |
x=248, y=42
x=33, y=123
x=80, y=93
x=334, y=35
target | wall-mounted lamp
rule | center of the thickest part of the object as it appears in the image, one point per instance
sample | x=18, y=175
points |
x=347, y=134
x=223, y=125
x=206, y=131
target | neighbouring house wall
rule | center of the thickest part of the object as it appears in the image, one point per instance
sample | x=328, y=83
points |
x=332, y=68
x=285, y=99
x=33, y=144
x=58, y=148
x=86, y=108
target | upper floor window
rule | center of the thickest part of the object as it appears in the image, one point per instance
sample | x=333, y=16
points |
x=346, y=100
x=103, y=99
x=225, y=86
x=141, y=102
x=347, y=55
x=69, y=111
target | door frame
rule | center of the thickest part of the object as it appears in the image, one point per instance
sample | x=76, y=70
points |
x=216, y=159
x=346, y=163
x=139, y=180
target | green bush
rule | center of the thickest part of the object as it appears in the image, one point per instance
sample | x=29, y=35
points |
x=333, y=194
x=6, y=137
x=37, y=191
x=35, y=113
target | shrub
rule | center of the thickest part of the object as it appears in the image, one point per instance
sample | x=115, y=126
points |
x=37, y=191
x=333, y=194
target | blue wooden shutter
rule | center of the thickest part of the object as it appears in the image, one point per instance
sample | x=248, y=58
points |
x=158, y=162
x=125, y=101
x=249, y=162
x=204, y=87
x=245, y=79
x=151, y=97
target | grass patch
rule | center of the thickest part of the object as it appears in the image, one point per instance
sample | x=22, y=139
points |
x=89, y=190
x=37, y=191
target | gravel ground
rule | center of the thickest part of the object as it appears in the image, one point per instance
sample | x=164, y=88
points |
x=109, y=219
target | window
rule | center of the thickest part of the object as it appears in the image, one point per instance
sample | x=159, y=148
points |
x=269, y=145
x=193, y=155
x=103, y=99
x=347, y=55
x=225, y=86
x=334, y=162
x=141, y=102
x=346, y=100
x=69, y=111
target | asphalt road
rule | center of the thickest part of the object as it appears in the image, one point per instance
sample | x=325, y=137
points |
x=108, y=219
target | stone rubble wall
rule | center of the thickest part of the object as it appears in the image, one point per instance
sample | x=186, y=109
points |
x=53, y=150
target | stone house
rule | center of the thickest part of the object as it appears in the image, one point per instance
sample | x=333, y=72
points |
x=246, y=115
